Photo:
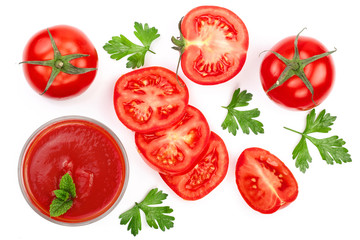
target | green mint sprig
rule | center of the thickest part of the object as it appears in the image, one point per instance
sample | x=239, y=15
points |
x=156, y=217
x=64, y=196
x=119, y=46
x=331, y=148
x=245, y=119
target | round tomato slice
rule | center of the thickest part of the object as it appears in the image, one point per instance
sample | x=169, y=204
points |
x=150, y=98
x=214, y=43
x=60, y=62
x=175, y=150
x=207, y=174
x=264, y=181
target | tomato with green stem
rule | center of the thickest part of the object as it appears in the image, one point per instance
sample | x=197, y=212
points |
x=60, y=62
x=213, y=44
x=298, y=73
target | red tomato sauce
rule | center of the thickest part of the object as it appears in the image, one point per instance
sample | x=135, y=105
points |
x=85, y=150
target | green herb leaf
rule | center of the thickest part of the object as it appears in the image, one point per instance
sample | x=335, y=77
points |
x=67, y=184
x=320, y=124
x=64, y=195
x=120, y=47
x=58, y=207
x=156, y=217
x=302, y=155
x=132, y=216
x=244, y=119
x=331, y=149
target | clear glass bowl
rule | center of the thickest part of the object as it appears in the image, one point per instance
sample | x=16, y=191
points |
x=41, y=138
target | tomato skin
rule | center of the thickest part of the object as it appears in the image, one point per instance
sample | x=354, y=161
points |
x=175, y=150
x=142, y=97
x=264, y=181
x=210, y=169
x=293, y=94
x=69, y=40
x=212, y=44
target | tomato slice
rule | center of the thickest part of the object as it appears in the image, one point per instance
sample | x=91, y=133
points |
x=174, y=150
x=216, y=44
x=207, y=174
x=264, y=181
x=150, y=98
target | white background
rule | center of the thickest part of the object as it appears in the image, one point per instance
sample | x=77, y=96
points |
x=328, y=204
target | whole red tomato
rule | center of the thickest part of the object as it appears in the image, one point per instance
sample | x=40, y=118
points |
x=60, y=62
x=298, y=73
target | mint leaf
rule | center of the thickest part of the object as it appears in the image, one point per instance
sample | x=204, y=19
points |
x=245, y=119
x=331, y=149
x=67, y=184
x=64, y=195
x=58, y=207
x=119, y=47
x=156, y=217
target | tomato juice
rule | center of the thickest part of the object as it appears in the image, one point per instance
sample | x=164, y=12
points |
x=87, y=150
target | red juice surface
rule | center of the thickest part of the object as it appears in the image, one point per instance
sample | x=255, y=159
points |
x=86, y=151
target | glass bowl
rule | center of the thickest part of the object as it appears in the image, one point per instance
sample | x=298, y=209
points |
x=86, y=149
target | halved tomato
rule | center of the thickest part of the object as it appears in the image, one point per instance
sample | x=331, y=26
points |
x=175, y=150
x=264, y=181
x=150, y=98
x=213, y=43
x=207, y=174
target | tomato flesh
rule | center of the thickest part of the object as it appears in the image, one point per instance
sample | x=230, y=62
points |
x=174, y=150
x=69, y=40
x=293, y=94
x=216, y=45
x=205, y=176
x=264, y=181
x=150, y=98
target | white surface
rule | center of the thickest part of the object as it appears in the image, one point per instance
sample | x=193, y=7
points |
x=327, y=206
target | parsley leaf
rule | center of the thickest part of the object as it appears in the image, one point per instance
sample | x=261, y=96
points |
x=156, y=217
x=331, y=149
x=64, y=195
x=245, y=119
x=119, y=46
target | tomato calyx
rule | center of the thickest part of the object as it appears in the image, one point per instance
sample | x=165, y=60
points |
x=295, y=66
x=60, y=63
x=180, y=45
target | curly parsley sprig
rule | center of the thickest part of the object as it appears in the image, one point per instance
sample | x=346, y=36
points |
x=245, y=119
x=156, y=217
x=119, y=46
x=331, y=148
